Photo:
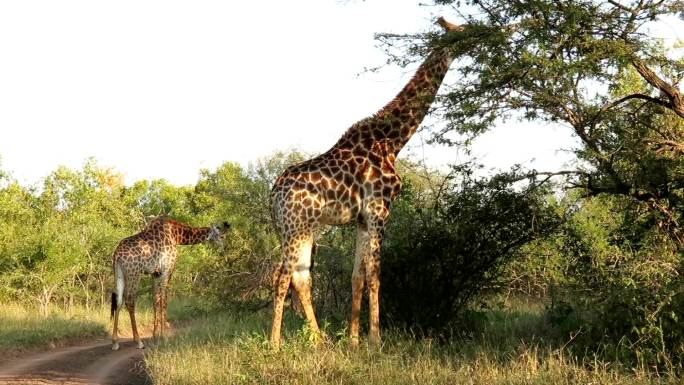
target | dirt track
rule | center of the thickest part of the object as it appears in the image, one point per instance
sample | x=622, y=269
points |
x=92, y=362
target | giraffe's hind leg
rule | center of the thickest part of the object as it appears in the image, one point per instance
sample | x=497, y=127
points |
x=127, y=285
x=294, y=269
x=157, y=306
x=301, y=279
x=116, y=307
x=130, y=306
x=161, y=285
x=129, y=295
x=281, y=283
x=115, y=330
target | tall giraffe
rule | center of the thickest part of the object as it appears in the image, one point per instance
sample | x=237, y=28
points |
x=353, y=181
x=153, y=251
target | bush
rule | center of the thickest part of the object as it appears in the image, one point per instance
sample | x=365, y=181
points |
x=624, y=280
x=436, y=260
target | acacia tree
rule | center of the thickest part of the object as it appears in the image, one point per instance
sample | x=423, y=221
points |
x=593, y=67
x=590, y=65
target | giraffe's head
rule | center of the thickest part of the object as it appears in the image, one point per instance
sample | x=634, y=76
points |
x=449, y=26
x=217, y=233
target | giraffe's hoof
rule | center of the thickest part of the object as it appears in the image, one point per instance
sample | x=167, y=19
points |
x=141, y=345
x=115, y=346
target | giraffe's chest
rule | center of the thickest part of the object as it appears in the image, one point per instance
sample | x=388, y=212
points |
x=357, y=199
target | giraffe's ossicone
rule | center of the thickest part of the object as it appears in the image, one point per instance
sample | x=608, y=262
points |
x=355, y=180
x=153, y=251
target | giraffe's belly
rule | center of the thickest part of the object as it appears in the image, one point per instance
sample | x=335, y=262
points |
x=335, y=213
x=151, y=265
x=336, y=216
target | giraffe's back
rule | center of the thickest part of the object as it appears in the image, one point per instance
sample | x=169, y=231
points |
x=139, y=253
x=333, y=188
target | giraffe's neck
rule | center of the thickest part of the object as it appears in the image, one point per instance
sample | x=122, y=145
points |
x=187, y=235
x=394, y=124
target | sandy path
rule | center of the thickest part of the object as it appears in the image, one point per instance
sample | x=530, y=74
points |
x=88, y=363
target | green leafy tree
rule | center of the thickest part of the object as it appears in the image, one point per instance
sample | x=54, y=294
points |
x=19, y=237
x=591, y=67
x=588, y=65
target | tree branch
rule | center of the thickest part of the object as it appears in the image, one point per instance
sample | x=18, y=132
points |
x=665, y=145
x=651, y=99
x=549, y=174
x=672, y=93
x=622, y=7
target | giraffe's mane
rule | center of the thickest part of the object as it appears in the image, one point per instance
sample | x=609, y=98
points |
x=175, y=222
x=378, y=115
x=388, y=108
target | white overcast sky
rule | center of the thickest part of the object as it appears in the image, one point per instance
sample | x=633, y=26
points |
x=161, y=89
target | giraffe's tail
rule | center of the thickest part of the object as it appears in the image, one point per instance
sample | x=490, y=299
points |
x=117, y=297
x=114, y=305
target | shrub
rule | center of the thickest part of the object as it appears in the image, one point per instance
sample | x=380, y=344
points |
x=436, y=260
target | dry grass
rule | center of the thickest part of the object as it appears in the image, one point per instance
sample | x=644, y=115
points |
x=22, y=326
x=228, y=349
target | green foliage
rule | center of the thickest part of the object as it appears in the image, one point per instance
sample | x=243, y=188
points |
x=588, y=65
x=240, y=274
x=625, y=282
x=611, y=279
x=58, y=242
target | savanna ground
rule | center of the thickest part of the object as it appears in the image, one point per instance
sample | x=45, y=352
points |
x=512, y=342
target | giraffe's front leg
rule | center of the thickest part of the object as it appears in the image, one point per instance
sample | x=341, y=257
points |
x=367, y=270
x=156, y=328
x=373, y=280
x=358, y=281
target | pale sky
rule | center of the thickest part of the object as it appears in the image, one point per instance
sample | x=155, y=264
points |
x=161, y=89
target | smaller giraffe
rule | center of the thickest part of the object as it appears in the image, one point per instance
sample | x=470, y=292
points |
x=153, y=251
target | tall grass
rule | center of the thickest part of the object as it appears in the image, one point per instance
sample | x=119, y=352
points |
x=510, y=349
x=23, y=326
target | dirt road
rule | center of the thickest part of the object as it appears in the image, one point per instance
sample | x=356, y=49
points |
x=92, y=362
